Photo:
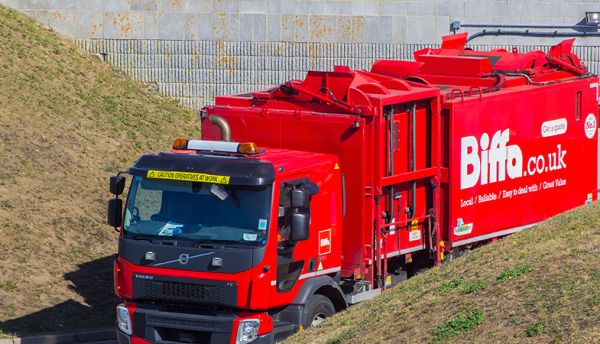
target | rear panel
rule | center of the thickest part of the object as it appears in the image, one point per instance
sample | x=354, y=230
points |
x=409, y=236
x=520, y=157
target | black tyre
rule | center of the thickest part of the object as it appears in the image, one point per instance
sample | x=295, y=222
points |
x=318, y=308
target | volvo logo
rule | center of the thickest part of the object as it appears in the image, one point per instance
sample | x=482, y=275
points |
x=143, y=276
x=184, y=258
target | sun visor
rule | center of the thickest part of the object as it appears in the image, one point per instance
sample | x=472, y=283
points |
x=203, y=168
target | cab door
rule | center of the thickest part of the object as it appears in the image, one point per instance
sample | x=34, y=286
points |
x=295, y=259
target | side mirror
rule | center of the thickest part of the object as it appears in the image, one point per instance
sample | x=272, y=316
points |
x=115, y=210
x=117, y=185
x=300, y=227
x=300, y=198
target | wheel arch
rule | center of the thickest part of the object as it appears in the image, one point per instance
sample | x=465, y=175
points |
x=334, y=295
x=323, y=285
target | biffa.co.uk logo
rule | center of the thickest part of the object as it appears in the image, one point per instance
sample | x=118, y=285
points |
x=489, y=161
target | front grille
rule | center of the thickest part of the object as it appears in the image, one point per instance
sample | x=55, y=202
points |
x=184, y=292
x=178, y=323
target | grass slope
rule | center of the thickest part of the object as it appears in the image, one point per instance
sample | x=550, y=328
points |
x=67, y=122
x=541, y=285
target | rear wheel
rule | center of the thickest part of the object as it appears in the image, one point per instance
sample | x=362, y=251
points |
x=318, y=308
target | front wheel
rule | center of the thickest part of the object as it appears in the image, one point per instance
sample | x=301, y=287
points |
x=318, y=308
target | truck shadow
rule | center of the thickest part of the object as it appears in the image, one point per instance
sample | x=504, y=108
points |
x=92, y=280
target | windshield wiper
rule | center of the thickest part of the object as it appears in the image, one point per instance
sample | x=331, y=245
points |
x=216, y=242
x=173, y=240
x=141, y=236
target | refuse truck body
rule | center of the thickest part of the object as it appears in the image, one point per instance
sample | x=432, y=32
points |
x=311, y=196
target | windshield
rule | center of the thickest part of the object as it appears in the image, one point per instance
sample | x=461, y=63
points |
x=171, y=208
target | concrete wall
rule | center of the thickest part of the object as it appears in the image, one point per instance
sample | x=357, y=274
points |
x=196, y=49
x=197, y=71
x=342, y=21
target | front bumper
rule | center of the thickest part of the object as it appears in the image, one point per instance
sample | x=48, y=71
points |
x=159, y=327
x=123, y=338
x=156, y=326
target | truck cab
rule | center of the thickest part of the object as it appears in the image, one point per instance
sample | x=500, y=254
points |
x=220, y=242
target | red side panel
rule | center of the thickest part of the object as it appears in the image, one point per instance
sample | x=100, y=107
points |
x=519, y=158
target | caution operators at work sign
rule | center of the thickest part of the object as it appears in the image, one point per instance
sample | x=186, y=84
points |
x=188, y=176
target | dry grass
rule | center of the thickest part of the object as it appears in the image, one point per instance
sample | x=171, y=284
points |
x=541, y=285
x=67, y=122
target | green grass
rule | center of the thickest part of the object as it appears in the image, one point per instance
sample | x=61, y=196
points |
x=518, y=271
x=475, y=286
x=455, y=283
x=4, y=335
x=9, y=286
x=535, y=329
x=457, y=326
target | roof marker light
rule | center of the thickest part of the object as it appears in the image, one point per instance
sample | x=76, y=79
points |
x=216, y=146
x=180, y=143
x=248, y=148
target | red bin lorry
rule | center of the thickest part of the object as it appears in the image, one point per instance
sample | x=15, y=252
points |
x=316, y=194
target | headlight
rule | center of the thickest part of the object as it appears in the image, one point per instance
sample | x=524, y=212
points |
x=124, y=319
x=247, y=331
